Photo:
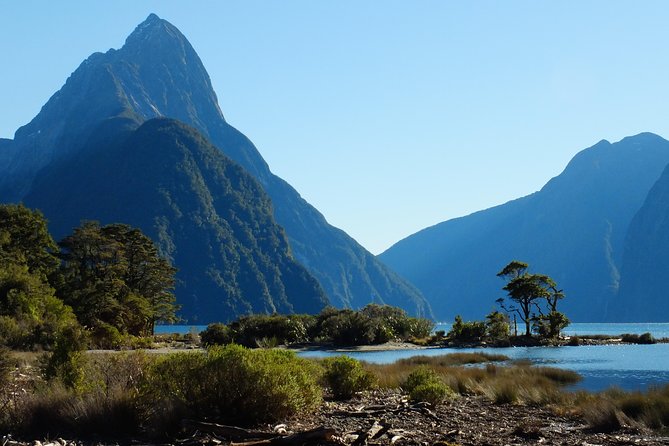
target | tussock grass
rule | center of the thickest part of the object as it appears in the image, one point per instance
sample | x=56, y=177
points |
x=615, y=408
x=453, y=359
x=516, y=384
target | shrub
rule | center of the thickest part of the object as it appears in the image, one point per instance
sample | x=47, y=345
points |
x=6, y=365
x=232, y=383
x=423, y=384
x=248, y=330
x=66, y=362
x=497, y=325
x=433, y=392
x=345, y=377
x=216, y=334
x=467, y=331
x=645, y=338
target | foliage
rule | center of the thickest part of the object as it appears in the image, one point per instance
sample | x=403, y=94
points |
x=216, y=334
x=497, y=325
x=113, y=275
x=467, y=331
x=233, y=384
x=645, y=338
x=30, y=313
x=67, y=359
x=345, y=377
x=373, y=324
x=551, y=325
x=527, y=291
x=104, y=404
x=424, y=384
x=249, y=330
x=25, y=239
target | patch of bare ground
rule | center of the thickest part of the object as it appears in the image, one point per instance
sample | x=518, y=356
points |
x=385, y=417
x=468, y=420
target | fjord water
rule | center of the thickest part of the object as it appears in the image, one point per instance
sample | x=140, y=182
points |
x=631, y=367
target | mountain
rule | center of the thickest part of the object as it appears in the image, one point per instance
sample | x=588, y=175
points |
x=645, y=269
x=157, y=73
x=573, y=229
x=207, y=214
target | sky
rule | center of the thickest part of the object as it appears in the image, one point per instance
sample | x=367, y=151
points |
x=387, y=116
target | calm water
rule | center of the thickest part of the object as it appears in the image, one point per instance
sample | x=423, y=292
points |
x=627, y=366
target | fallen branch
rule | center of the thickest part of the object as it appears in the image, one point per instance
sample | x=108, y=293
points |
x=229, y=432
x=313, y=435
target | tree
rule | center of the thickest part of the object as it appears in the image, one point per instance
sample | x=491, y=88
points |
x=525, y=290
x=25, y=239
x=30, y=313
x=113, y=276
x=497, y=325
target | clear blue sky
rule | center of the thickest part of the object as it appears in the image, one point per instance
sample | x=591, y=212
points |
x=388, y=116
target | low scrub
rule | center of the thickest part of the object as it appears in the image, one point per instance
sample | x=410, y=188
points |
x=424, y=384
x=615, y=409
x=645, y=338
x=345, y=377
x=103, y=404
x=232, y=384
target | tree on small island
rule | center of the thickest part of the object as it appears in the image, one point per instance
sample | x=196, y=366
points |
x=527, y=291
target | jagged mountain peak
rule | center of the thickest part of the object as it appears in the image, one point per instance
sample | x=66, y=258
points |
x=157, y=73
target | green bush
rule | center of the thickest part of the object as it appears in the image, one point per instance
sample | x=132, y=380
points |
x=250, y=330
x=645, y=338
x=216, y=334
x=67, y=360
x=423, y=384
x=345, y=377
x=467, y=331
x=232, y=384
x=419, y=376
x=433, y=392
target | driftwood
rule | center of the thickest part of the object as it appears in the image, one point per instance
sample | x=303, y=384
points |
x=313, y=435
x=375, y=431
x=229, y=432
x=375, y=412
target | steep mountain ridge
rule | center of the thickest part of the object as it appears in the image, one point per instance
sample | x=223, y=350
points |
x=206, y=213
x=158, y=73
x=572, y=229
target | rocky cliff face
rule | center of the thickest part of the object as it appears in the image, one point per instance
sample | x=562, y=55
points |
x=573, y=230
x=158, y=74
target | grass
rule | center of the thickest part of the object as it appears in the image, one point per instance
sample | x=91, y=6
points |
x=519, y=383
x=610, y=410
x=125, y=395
x=453, y=359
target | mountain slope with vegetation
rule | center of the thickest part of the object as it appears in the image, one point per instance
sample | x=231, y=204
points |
x=206, y=214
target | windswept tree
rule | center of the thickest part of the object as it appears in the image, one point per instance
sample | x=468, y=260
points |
x=526, y=291
x=114, y=276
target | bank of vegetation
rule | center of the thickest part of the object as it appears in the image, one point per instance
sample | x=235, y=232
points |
x=123, y=395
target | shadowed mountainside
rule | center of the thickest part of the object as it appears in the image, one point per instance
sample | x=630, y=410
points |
x=573, y=229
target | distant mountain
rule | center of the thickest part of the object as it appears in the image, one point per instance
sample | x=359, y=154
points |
x=157, y=73
x=207, y=214
x=573, y=230
x=645, y=269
